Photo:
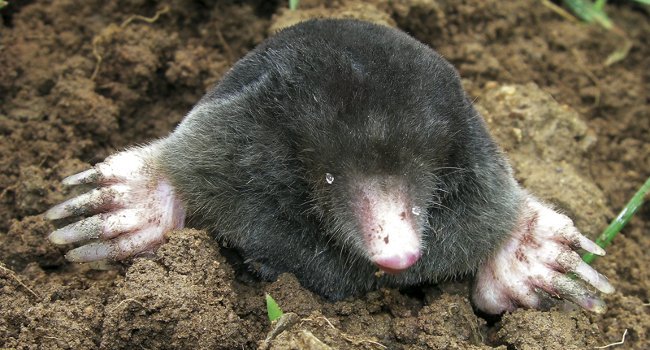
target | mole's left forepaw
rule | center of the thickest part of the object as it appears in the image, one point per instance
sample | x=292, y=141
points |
x=531, y=266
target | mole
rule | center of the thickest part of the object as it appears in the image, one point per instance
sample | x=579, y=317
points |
x=334, y=150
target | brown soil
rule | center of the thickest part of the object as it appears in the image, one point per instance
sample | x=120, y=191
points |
x=576, y=130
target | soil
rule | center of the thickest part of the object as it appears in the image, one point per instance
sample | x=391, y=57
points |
x=82, y=79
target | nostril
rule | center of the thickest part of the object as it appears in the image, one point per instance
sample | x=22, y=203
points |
x=397, y=263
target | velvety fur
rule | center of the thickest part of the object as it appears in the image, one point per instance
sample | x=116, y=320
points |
x=355, y=100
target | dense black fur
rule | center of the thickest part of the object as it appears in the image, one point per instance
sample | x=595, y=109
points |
x=355, y=100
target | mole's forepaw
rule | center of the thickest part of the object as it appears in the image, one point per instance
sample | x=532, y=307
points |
x=531, y=267
x=132, y=209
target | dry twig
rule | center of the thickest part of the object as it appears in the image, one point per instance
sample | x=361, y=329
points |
x=560, y=11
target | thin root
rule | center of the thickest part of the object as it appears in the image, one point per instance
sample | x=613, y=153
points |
x=153, y=19
x=126, y=301
x=613, y=344
x=50, y=337
x=13, y=276
x=590, y=74
x=4, y=193
x=347, y=337
x=226, y=47
x=97, y=39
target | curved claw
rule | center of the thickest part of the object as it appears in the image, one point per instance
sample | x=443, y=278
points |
x=574, y=291
x=105, y=226
x=85, y=229
x=118, y=248
x=570, y=261
x=88, y=202
x=85, y=177
x=571, y=235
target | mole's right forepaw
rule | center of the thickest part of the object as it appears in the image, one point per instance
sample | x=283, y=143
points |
x=531, y=267
x=132, y=209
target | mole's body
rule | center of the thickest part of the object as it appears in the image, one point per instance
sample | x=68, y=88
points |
x=331, y=150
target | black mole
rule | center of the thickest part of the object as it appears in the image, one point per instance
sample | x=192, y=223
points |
x=335, y=148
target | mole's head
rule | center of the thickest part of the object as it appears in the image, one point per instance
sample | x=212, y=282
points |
x=377, y=155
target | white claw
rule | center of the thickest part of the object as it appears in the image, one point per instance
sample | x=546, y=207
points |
x=91, y=252
x=589, y=245
x=576, y=292
x=105, y=226
x=84, y=177
x=593, y=277
x=85, y=229
x=119, y=248
x=88, y=202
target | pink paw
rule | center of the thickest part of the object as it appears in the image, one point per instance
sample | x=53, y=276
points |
x=134, y=207
x=532, y=265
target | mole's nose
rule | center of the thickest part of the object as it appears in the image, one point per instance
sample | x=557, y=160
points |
x=388, y=222
x=395, y=264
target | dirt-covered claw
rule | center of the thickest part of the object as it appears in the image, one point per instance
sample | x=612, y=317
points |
x=585, y=243
x=84, y=177
x=89, y=202
x=105, y=226
x=119, y=248
x=576, y=292
x=533, y=263
x=570, y=261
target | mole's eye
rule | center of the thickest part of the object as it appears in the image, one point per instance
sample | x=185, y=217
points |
x=329, y=178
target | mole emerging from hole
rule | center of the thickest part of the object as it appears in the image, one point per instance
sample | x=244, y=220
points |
x=334, y=149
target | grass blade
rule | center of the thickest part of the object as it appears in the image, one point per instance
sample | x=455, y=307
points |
x=589, y=12
x=621, y=220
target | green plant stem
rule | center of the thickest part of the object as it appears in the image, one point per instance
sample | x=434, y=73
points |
x=599, y=5
x=293, y=5
x=621, y=220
